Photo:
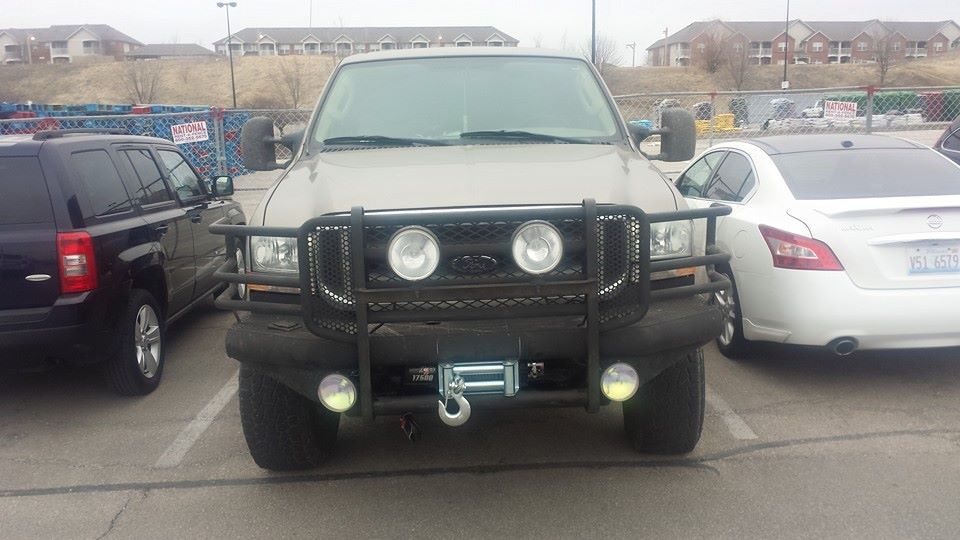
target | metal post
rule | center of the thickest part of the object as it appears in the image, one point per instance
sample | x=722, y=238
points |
x=713, y=115
x=786, y=48
x=633, y=48
x=868, y=114
x=593, y=34
x=233, y=81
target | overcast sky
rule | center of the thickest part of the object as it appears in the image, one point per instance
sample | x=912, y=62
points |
x=552, y=22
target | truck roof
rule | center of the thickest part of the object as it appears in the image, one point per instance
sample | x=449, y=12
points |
x=448, y=52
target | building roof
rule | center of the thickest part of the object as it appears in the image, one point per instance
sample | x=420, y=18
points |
x=369, y=34
x=916, y=30
x=63, y=32
x=835, y=30
x=170, y=49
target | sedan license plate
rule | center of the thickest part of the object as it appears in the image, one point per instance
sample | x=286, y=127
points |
x=934, y=259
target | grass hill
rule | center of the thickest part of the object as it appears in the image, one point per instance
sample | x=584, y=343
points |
x=269, y=82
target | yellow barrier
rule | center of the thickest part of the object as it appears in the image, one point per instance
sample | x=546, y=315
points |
x=721, y=123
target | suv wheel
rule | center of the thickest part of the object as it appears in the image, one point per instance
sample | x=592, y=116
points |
x=284, y=430
x=666, y=414
x=730, y=342
x=136, y=365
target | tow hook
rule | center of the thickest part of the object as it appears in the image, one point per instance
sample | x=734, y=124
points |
x=454, y=391
x=410, y=427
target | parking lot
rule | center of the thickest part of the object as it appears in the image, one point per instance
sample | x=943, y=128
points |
x=796, y=443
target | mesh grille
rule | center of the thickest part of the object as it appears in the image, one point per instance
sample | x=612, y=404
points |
x=620, y=278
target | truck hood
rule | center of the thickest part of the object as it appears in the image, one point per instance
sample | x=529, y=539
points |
x=463, y=176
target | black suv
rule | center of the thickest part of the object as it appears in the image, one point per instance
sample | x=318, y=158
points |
x=949, y=142
x=103, y=242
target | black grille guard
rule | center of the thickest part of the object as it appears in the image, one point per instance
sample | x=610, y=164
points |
x=344, y=314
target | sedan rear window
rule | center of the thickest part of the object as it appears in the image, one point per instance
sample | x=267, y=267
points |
x=23, y=192
x=861, y=174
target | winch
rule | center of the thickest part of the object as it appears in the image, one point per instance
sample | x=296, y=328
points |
x=458, y=380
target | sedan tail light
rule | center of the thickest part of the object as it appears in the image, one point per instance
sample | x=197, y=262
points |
x=798, y=252
x=78, y=265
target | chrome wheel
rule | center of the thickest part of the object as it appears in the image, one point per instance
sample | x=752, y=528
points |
x=146, y=338
x=727, y=303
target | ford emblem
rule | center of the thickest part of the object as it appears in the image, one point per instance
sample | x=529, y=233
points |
x=474, y=265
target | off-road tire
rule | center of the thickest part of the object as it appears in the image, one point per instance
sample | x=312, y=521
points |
x=122, y=368
x=738, y=347
x=284, y=430
x=665, y=416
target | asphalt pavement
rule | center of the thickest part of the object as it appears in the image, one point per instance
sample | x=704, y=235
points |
x=796, y=443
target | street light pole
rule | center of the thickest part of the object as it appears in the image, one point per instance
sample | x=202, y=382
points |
x=786, y=49
x=233, y=81
x=633, y=49
x=593, y=34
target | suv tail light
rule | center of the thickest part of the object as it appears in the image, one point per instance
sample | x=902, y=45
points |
x=78, y=266
x=798, y=252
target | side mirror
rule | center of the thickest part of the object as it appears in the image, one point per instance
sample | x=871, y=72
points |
x=678, y=137
x=258, y=144
x=222, y=186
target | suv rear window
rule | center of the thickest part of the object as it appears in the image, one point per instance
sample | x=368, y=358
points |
x=102, y=182
x=861, y=174
x=23, y=192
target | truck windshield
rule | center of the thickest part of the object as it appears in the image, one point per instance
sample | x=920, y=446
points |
x=465, y=100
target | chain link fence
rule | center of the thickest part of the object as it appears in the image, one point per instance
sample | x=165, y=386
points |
x=718, y=115
x=824, y=110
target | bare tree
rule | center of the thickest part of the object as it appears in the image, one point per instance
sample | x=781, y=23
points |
x=290, y=76
x=737, y=65
x=608, y=52
x=885, y=56
x=538, y=40
x=141, y=79
x=713, y=53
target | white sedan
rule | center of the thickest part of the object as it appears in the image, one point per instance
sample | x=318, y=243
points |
x=842, y=241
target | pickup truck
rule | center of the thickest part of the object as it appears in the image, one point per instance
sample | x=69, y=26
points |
x=462, y=230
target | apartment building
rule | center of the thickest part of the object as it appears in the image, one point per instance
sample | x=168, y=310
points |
x=805, y=42
x=64, y=44
x=346, y=41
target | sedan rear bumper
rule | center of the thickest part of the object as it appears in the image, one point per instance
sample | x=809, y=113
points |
x=814, y=308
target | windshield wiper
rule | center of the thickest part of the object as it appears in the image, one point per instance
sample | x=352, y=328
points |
x=515, y=135
x=382, y=140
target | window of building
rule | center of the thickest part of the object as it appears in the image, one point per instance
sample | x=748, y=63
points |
x=738, y=47
x=701, y=47
x=938, y=46
x=152, y=189
x=861, y=46
x=495, y=44
x=464, y=44
x=817, y=46
x=101, y=181
x=896, y=45
x=58, y=44
x=185, y=181
x=387, y=46
x=782, y=46
x=419, y=45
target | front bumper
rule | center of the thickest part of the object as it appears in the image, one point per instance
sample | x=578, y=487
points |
x=604, y=310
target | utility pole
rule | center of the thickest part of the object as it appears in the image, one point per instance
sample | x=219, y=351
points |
x=593, y=34
x=233, y=81
x=785, y=84
x=666, y=46
x=311, y=14
x=633, y=48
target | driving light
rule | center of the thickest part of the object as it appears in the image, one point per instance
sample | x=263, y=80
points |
x=273, y=254
x=671, y=239
x=619, y=382
x=414, y=253
x=337, y=393
x=537, y=247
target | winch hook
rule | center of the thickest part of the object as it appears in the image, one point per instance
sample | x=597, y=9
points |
x=455, y=392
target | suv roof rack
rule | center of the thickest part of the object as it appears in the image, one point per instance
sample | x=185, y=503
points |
x=58, y=133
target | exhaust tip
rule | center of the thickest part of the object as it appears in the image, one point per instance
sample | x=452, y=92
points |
x=843, y=346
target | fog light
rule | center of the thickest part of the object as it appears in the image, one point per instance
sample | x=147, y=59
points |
x=537, y=247
x=337, y=393
x=413, y=253
x=619, y=382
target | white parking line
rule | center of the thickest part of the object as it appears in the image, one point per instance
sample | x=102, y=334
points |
x=735, y=424
x=175, y=453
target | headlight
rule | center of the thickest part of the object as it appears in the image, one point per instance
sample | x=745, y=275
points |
x=537, y=247
x=413, y=253
x=671, y=239
x=273, y=254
